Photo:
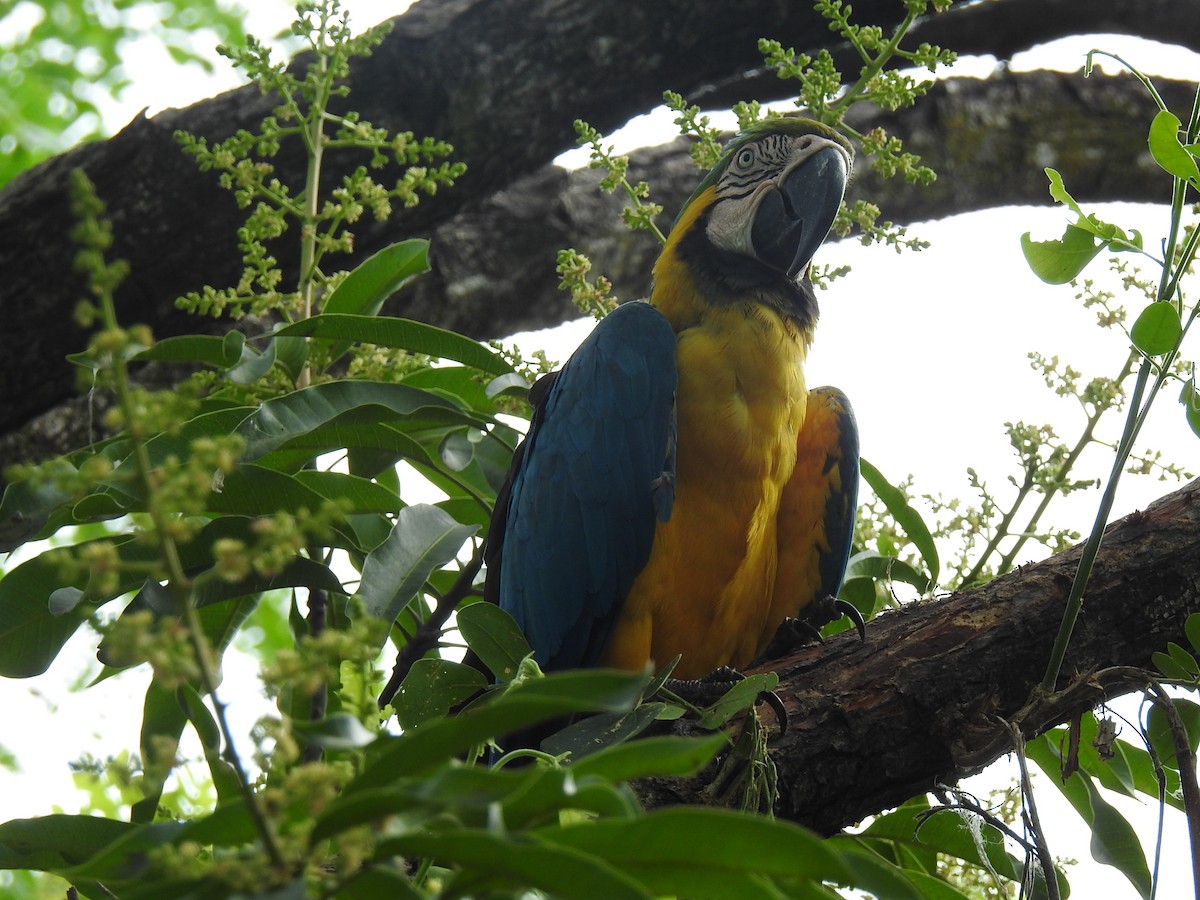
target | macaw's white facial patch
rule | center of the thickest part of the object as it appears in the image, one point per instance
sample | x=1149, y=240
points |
x=756, y=169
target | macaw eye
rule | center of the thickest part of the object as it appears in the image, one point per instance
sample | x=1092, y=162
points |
x=745, y=159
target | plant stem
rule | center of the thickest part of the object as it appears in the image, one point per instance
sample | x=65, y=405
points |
x=1168, y=284
x=315, y=144
x=208, y=675
x=1186, y=760
x=1001, y=531
x=180, y=586
x=1035, y=825
x=875, y=66
x=1085, y=438
x=1092, y=547
x=1068, y=464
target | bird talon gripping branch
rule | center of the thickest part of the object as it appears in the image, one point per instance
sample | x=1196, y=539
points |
x=681, y=489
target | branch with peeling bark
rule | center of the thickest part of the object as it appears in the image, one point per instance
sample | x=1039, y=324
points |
x=927, y=698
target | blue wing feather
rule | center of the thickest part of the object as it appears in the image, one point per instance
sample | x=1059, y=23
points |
x=592, y=477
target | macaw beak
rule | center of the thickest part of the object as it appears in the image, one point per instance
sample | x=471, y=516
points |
x=793, y=219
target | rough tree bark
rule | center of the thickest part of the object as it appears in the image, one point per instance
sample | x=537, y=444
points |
x=923, y=699
x=502, y=80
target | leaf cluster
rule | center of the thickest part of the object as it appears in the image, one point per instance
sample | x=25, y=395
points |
x=60, y=58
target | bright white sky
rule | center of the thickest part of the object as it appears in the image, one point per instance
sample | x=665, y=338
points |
x=930, y=347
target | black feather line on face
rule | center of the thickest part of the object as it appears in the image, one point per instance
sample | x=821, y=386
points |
x=726, y=278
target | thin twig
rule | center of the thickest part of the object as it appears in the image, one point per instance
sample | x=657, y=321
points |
x=1186, y=761
x=318, y=608
x=428, y=635
x=1039, y=836
x=1160, y=776
x=967, y=804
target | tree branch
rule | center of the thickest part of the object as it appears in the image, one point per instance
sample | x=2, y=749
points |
x=924, y=700
x=507, y=105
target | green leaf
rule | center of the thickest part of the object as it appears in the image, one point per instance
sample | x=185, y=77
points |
x=495, y=637
x=252, y=365
x=1114, y=841
x=1159, y=729
x=1167, y=149
x=1183, y=659
x=218, y=351
x=1190, y=399
x=1169, y=666
x=906, y=517
x=535, y=700
x=1129, y=771
x=289, y=419
x=958, y=834
x=163, y=721
x=666, y=756
x=251, y=490
x=706, y=852
x=224, y=776
x=559, y=871
x=30, y=636
x=363, y=494
x=511, y=382
x=402, y=334
x=229, y=825
x=872, y=565
x=211, y=588
x=376, y=278
x=458, y=382
x=477, y=796
x=594, y=733
x=432, y=687
x=219, y=617
x=1058, y=262
x=1058, y=191
x=24, y=509
x=163, y=718
x=481, y=458
x=291, y=353
x=376, y=882
x=423, y=540
x=877, y=875
x=1191, y=627
x=124, y=860
x=339, y=731
x=1157, y=329
x=737, y=699
x=54, y=843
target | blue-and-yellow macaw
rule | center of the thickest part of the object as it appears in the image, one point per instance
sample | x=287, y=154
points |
x=681, y=491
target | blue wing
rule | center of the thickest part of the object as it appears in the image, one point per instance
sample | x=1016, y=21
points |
x=576, y=523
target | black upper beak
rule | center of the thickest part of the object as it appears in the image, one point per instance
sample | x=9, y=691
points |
x=794, y=218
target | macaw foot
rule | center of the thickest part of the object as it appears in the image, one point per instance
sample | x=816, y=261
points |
x=710, y=688
x=793, y=634
x=829, y=609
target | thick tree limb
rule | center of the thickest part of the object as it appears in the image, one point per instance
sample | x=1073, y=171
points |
x=493, y=262
x=989, y=141
x=924, y=699
x=502, y=79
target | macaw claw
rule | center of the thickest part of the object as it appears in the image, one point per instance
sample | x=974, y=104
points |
x=829, y=609
x=795, y=633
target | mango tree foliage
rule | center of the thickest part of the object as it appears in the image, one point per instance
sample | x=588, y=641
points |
x=59, y=59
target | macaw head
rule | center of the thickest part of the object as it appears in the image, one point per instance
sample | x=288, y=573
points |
x=753, y=224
